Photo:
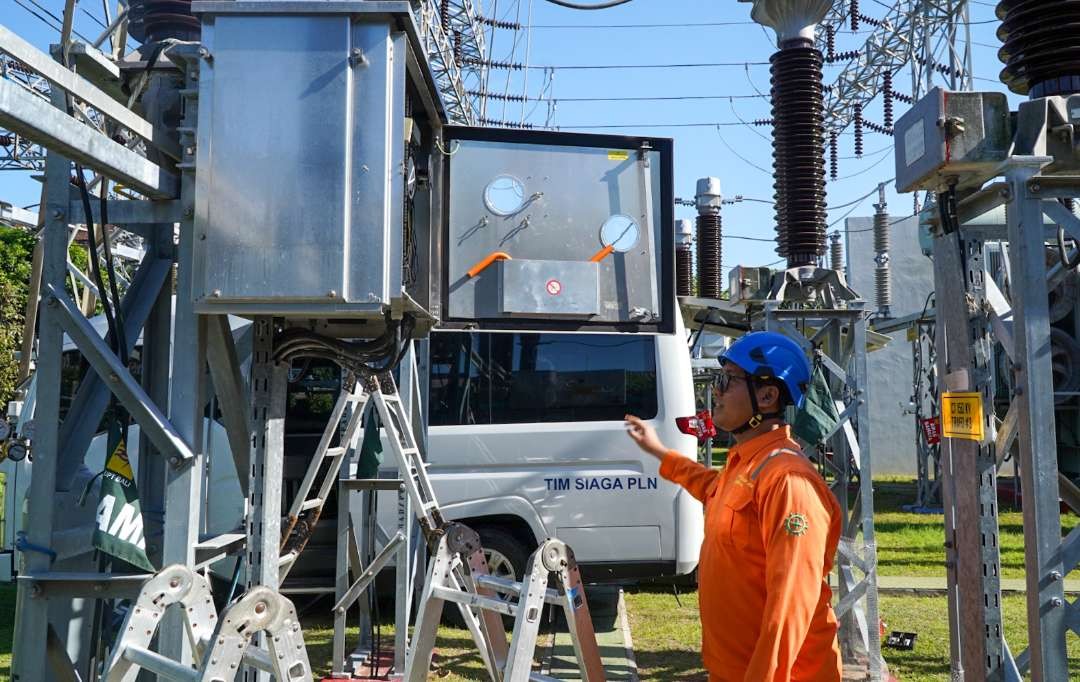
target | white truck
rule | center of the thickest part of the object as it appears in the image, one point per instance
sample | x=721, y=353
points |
x=526, y=442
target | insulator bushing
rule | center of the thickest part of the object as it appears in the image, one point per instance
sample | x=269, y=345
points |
x=834, y=156
x=830, y=42
x=444, y=15
x=151, y=21
x=883, y=288
x=882, y=274
x=708, y=255
x=684, y=272
x=684, y=258
x=881, y=232
x=858, y=121
x=854, y=13
x=887, y=99
x=836, y=252
x=798, y=152
x=1040, y=46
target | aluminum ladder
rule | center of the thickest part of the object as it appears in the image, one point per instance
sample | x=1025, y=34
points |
x=458, y=573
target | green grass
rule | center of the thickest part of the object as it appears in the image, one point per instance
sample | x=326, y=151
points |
x=667, y=636
x=7, y=628
x=913, y=544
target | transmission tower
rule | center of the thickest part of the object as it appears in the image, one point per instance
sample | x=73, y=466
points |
x=929, y=37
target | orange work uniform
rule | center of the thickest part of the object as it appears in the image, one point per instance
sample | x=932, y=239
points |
x=771, y=531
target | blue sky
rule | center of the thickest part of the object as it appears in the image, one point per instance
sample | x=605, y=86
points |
x=699, y=150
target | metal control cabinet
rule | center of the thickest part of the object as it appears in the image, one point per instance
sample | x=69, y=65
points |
x=300, y=164
x=950, y=134
x=529, y=214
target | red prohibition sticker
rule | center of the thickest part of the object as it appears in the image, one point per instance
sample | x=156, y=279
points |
x=554, y=287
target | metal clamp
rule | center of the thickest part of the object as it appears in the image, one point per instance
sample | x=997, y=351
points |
x=23, y=545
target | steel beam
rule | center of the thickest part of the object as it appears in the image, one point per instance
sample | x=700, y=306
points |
x=156, y=355
x=184, y=486
x=32, y=610
x=968, y=467
x=268, y=387
x=232, y=393
x=81, y=88
x=19, y=217
x=92, y=397
x=1046, y=611
x=126, y=212
x=33, y=117
x=103, y=361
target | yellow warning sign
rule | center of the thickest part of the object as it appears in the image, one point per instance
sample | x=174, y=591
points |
x=618, y=155
x=912, y=333
x=962, y=416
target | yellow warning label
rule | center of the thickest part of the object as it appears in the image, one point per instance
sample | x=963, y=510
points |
x=962, y=416
x=618, y=155
x=912, y=333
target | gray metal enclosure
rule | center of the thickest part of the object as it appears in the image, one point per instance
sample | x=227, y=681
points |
x=300, y=188
x=545, y=206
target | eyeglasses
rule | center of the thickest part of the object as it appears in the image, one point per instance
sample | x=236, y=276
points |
x=723, y=381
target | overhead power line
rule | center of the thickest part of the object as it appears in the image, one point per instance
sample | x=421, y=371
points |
x=645, y=98
x=706, y=24
x=517, y=66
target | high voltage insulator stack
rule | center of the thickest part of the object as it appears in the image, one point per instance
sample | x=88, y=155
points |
x=1039, y=46
x=151, y=21
x=684, y=258
x=708, y=201
x=882, y=274
x=798, y=128
x=836, y=252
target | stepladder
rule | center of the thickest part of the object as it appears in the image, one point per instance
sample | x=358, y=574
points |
x=221, y=644
x=458, y=573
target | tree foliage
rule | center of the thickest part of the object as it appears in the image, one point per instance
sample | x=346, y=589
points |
x=16, y=256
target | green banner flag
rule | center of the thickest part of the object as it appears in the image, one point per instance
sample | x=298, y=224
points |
x=119, y=531
x=818, y=416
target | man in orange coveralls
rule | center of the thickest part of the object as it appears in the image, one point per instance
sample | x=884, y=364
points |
x=771, y=525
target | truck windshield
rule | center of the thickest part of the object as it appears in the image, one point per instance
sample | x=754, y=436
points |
x=497, y=378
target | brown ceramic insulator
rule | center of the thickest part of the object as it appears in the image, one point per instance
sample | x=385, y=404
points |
x=708, y=255
x=799, y=153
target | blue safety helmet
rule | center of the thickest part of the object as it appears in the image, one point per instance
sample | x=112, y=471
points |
x=769, y=355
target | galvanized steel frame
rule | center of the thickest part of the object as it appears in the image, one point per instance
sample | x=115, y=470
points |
x=838, y=338
x=972, y=319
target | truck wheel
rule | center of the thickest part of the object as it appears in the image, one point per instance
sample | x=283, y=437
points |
x=506, y=557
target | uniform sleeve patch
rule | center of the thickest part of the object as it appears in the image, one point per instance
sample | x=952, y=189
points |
x=795, y=524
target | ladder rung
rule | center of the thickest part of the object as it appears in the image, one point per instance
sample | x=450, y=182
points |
x=507, y=586
x=476, y=600
x=335, y=452
x=286, y=559
x=311, y=504
x=156, y=663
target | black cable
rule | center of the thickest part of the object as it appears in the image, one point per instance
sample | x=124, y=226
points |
x=95, y=267
x=1063, y=252
x=118, y=313
x=578, y=5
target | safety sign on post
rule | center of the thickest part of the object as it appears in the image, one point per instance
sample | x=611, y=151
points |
x=962, y=416
x=931, y=428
